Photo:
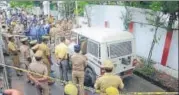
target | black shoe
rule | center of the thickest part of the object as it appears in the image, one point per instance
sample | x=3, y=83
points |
x=18, y=75
x=33, y=83
x=28, y=81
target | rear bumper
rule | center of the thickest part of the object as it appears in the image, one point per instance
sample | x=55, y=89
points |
x=127, y=73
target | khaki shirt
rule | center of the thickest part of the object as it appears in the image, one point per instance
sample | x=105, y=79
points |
x=107, y=80
x=46, y=52
x=38, y=67
x=12, y=47
x=78, y=62
x=32, y=56
x=45, y=49
x=53, y=32
x=25, y=52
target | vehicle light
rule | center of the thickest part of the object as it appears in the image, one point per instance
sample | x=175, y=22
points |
x=134, y=62
x=102, y=71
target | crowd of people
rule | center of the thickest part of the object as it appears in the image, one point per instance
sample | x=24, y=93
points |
x=35, y=54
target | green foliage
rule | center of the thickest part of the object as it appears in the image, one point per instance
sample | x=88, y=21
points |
x=21, y=4
x=155, y=6
x=67, y=9
x=127, y=17
x=147, y=70
x=81, y=7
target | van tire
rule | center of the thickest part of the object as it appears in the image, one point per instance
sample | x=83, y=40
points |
x=91, y=74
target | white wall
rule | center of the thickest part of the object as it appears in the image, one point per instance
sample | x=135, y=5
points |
x=99, y=14
x=143, y=38
x=173, y=52
x=143, y=34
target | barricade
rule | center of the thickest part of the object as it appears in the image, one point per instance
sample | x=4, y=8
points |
x=92, y=90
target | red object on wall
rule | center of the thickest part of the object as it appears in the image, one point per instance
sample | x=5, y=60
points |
x=131, y=27
x=106, y=24
x=166, y=49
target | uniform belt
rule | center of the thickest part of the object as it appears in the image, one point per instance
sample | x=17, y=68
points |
x=77, y=70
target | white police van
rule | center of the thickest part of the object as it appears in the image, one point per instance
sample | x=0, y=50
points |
x=105, y=43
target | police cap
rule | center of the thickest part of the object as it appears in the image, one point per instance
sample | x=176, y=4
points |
x=108, y=64
x=9, y=36
x=45, y=37
x=77, y=48
x=33, y=42
x=39, y=53
x=24, y=39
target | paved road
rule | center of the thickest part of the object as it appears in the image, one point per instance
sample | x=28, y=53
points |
x=132, y=84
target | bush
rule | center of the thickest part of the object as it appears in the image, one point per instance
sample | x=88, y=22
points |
x=147, y=70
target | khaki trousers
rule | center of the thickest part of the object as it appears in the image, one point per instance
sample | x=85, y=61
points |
x=78, y=78
x=43, y=89
x=16, y=62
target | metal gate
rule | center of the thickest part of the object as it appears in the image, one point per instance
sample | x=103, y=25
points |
x=4, y=83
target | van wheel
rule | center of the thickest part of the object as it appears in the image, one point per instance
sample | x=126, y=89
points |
x=90, y=77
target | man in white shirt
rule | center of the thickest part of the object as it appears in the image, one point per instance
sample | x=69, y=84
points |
x=71, y=46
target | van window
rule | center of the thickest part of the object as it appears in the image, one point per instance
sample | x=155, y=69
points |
x=120, y=49
x=93, y=48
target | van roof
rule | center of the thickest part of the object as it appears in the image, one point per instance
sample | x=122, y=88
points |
x=103, y=35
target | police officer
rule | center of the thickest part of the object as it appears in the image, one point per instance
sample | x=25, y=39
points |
x=41, y=82
x=25, y=52
x=46, y=54
x=46, y=51
x=53, y=32
x=33, y=48
x=79, y=62
x=14, y=54
x=70, y=89
x=112, y=91
x=108, y=79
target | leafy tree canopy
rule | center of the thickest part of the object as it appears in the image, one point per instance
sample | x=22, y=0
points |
x=21, y=4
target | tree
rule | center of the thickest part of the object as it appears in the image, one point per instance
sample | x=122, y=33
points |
x=21, y=4
x=158, y=9
x=67, y=9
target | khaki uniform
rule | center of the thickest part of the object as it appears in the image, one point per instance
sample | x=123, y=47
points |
x=78, y=65
x=108, y=80
x=25, y=54
x=40, y=68
x=14, y=54
x=46, y=54
x=53, y=33
x=32, y=56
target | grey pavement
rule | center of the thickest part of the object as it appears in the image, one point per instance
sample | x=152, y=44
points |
x=132, y=84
